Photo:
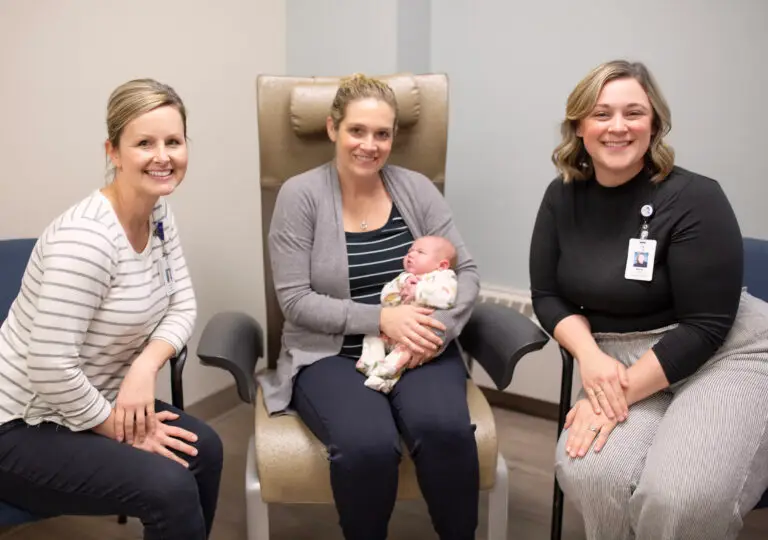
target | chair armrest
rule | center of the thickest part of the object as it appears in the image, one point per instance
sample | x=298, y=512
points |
x=233, y=341
x=177, y=369
x=498, y=336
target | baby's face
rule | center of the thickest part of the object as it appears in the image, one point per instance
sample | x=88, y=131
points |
x=424, y=256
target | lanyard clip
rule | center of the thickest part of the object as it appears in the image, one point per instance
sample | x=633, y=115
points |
x=645, y=212
x=159, y=231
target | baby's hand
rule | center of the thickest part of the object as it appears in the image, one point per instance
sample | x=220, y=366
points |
x=408, y=293
x=412, y=280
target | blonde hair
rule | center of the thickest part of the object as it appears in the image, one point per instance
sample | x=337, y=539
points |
x=571, y=157
x=134, y=98
x=359, y=86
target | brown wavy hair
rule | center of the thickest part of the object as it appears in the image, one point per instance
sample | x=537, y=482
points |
x=571, y=157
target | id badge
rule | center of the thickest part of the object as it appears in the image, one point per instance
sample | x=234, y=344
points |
x=640, y=258
x=166, y=274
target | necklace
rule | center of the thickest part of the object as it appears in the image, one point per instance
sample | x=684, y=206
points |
x=364, y=225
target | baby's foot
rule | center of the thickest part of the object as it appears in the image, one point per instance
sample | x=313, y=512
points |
x=382, y=385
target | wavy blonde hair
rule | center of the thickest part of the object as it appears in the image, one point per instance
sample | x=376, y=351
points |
x=359, y=86
x=571, y=157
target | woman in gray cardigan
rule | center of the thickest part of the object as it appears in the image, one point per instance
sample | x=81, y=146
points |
x=338, y=234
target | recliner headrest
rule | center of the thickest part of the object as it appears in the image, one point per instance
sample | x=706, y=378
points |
x=311, y=103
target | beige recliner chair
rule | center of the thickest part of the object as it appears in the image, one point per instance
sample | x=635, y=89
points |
x=286, y=463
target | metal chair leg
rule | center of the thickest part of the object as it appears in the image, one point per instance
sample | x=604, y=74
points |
x=564, y=407
x=498, y=502
x=256, y=510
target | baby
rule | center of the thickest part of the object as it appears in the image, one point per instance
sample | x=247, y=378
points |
x=428, y=281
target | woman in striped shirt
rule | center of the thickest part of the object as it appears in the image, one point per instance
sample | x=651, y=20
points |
x=105, y=301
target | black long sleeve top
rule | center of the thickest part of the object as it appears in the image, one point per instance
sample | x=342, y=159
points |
x=579, y=252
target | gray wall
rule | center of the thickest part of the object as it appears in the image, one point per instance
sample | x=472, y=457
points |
x=341, y=37
x=414, y=35
x=512, y=65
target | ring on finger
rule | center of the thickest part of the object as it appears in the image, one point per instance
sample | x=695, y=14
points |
x=594, y=429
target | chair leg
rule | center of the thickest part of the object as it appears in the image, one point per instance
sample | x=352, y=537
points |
x=498, y=502
x=557, y=513
x=257, y=511
x=565, y=405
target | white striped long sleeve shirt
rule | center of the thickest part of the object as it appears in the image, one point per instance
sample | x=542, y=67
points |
x=87, y=306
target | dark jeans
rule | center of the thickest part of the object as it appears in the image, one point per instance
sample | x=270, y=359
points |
x=49, y=470
x=362, y=428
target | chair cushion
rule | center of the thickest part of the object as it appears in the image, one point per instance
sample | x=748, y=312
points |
x=10, y=515
x=15, y=255
x=762, y=503
x=293, y=464
x=756, y=267
x=311, y=103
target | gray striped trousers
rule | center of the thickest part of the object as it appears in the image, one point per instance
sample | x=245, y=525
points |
x=690, y=461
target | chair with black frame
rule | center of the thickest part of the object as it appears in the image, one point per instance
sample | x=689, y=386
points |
x=14, y=255
x=756, y=282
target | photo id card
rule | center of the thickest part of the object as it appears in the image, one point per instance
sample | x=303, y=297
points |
x=166, y=274
x=640, y=257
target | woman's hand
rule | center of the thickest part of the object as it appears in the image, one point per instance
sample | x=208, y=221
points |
x=585, y=427
x=135, y=404
x=166, y=437
x=605, y=380
x=413, y=327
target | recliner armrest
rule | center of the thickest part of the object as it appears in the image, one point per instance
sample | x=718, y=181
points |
x=233, y=341
x=498, y=336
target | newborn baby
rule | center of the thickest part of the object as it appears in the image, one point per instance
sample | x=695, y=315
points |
x=428, y=281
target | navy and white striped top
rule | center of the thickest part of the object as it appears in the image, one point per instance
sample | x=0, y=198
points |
x=87, y=307
x=375, y=258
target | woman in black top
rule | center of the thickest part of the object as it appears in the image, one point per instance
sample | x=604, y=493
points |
x=636, y=269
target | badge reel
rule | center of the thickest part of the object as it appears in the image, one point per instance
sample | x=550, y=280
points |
x=641, y=254
x=166, y=273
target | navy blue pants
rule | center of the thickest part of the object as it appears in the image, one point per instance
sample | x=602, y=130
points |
x=362, y=428
x=49, y=470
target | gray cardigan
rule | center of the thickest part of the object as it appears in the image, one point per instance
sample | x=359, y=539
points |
x=307, y=232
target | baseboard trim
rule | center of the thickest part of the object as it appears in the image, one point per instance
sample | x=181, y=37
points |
x=216, y=404
x=522, y=404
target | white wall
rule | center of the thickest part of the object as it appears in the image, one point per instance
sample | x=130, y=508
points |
x=59, y=61
x=512, y=65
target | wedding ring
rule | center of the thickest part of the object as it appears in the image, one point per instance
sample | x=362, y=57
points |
x=594, y=429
